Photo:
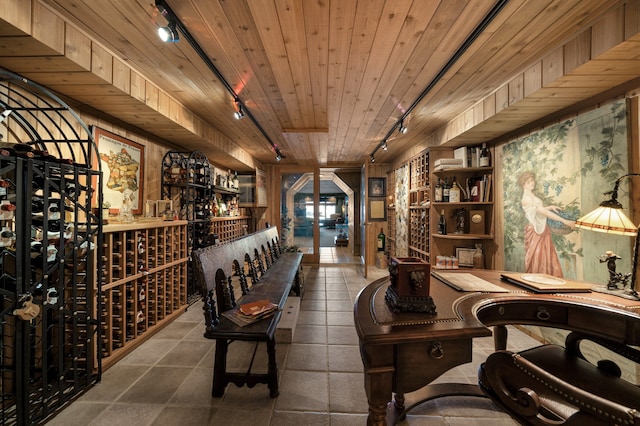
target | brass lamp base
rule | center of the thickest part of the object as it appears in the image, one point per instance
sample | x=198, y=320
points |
x=625, y=293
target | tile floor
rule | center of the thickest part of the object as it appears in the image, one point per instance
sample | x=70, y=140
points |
x=167, y=380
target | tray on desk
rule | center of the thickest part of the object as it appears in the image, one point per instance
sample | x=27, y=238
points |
x=543, y=283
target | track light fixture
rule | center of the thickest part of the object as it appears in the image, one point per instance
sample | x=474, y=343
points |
x=372, y=158
x=239, y=114
x=384, y=146
x=402, y=128
x=169, y=34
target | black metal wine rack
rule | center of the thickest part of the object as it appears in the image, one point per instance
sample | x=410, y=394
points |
x=187, y=181
x=50, y=242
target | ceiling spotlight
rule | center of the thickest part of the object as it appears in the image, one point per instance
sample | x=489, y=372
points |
x=239, y=114
x=278, y=157
x=384, y=146
x=169, y=34
x=402, y=128
x=372, y=158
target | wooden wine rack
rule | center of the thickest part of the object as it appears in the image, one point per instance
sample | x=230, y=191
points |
x=419, y=203
x=230, y=228
x=144, y=283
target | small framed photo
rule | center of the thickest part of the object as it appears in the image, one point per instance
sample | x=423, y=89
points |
x=377, y=187
x=465, y=256
x=377, y=209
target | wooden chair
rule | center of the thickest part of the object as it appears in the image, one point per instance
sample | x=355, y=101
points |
x=555, y=385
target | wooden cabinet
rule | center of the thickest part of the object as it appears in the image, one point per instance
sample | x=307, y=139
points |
x=474, y=210
x=143, y=282
x=469, y=221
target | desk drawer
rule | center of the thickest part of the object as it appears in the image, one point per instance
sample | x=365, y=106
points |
x=538, y=313
x=419, y=363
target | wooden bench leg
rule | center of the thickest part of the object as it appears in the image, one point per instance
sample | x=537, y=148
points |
x=220, y=368
x=273, y=368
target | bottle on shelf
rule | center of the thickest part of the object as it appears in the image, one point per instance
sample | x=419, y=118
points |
x=478, y=257
x=438, y=192
x=454, y=192
x=442, y=224
x=236, y=181
x=485, y=156
x=445, y=191
x=381, y=240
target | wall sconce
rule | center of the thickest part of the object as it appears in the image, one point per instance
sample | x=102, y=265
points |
x=609, y=218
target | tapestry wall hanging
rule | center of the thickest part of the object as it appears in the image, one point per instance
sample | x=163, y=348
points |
x=551, y=178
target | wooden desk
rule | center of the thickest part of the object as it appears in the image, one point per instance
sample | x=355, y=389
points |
x=402, y=353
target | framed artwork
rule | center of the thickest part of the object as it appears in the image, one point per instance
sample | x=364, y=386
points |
x=465, y=256
x=122, y=162
x=377, y=209
x=377, y=187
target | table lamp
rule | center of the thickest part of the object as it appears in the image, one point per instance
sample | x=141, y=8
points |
x=609, y=218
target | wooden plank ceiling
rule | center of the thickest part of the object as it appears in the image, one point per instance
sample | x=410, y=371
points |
x=326, y=79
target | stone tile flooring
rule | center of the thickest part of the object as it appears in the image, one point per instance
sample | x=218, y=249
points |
x=167, y=380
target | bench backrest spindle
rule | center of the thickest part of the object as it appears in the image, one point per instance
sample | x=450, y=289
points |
x=258, y=261
x=267, y=258
x=242, y=277
x=253, y=271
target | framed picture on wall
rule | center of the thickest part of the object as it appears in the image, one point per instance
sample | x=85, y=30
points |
x=377, y=209
x=122, y=162
x=377, y=187
x=465, y=256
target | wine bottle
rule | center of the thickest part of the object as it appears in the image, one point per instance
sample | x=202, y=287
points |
x=236, y=181
x=438, y=192
x=454, y=192
x=51, y=224
x=445, y=191
x=381, y=240
x=7, y=206
x=478, y=257
x=11, y=152
x=485, y=156
x=442, y=224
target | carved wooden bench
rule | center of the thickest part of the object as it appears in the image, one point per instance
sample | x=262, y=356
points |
x=248, y=269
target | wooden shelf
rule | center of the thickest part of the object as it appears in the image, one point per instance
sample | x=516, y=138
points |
x=464, y=236
x=458, y=170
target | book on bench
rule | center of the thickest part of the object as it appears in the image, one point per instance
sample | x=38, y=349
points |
x=248, y=313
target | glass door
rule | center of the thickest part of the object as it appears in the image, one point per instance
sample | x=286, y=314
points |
x=299, y=199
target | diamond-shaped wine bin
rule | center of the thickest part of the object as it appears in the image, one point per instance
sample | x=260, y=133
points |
x=409, y=287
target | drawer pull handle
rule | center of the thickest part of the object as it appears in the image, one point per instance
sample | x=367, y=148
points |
x=436, y=350
x=543, y=314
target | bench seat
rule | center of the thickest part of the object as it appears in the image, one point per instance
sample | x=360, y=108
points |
x=273, y=275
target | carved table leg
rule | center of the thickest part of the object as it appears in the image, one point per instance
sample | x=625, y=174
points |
x=220, y=368
x=378, y=381
x=272, y=368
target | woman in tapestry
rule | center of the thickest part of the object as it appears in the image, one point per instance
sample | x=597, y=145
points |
x=540, y=253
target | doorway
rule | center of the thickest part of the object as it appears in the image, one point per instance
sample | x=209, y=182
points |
x=320, y=222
